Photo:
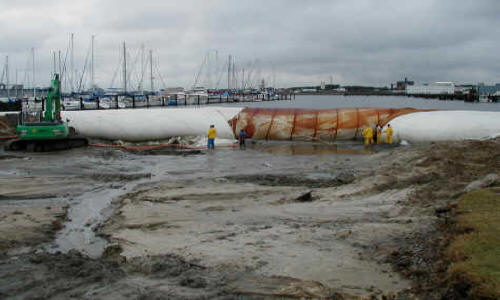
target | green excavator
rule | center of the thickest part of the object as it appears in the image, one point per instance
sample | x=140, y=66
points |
x=40, y=131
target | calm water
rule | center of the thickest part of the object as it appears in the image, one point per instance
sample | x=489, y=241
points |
x=335, y=101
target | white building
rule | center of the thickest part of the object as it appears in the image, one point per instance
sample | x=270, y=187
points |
x=437, y=88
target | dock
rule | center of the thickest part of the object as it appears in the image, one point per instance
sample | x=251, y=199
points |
x=131, y=101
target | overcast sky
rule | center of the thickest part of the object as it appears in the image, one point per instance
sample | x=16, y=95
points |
x=365, y=42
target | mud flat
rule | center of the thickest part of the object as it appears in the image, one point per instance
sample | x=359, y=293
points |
x=29, y=226
x=250, y=225
x=353, y=238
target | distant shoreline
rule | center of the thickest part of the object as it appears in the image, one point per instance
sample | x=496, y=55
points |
x=360, y=93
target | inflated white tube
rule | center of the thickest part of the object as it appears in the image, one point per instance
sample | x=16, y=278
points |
x=446, y=126
x=136, y=125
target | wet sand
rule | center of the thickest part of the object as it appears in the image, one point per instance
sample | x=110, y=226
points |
x=276, y=220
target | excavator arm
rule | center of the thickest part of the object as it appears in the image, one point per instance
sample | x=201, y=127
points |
x=53, y=101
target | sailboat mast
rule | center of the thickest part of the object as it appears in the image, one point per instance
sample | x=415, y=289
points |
x=124, y=68
x=151, y=69
x=234, y=76
x=54, y=62
x=209, y=71
x=7, y=73
x=33, y=61
x=243, y=79
x=216, y=86
x=60, y=72
x=229, y=73
x=92, y=82
x=72, y=64
x=141, y=82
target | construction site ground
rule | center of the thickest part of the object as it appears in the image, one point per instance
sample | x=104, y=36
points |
x=275, y=221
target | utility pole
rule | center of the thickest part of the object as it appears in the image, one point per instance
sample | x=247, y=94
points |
x=151, y=69
x=124, y=68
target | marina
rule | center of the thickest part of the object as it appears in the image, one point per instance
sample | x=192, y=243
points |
x=151, y=101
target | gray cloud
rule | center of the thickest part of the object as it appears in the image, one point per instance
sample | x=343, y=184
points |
x=300, y=42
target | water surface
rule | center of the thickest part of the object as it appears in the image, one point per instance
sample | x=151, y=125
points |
x=338, y=101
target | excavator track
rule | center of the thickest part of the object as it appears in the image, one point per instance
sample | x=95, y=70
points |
x=46, y=145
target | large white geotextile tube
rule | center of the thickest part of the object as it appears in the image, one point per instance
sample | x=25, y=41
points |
x=156, y=124
x=137, y=125
x=446, y=126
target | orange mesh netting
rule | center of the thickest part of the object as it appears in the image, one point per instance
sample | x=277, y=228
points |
x=304, y=124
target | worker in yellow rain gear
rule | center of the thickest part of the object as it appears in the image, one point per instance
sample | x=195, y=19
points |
x=211, y=134
x=388, y=134
x=368, y=134
x=378, y=132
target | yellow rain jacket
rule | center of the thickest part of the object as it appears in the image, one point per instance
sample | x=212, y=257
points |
x=368, y=134
x=388, y=135
x=212, y=133
x=379, y=135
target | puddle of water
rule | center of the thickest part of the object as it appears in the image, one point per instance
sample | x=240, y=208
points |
x=301, y=148
x=85, y=213
x=315, y=176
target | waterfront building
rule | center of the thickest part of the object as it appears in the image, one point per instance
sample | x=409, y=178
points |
x=437, y=88
x=401, y=85
x=488, y=89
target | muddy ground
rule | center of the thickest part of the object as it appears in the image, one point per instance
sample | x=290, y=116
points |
x=275, y=221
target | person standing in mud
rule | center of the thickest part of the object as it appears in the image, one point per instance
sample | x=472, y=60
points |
x=368, y=134
x=388, y=134
x=212, y=133
x=378, y=134
x=242, y=136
